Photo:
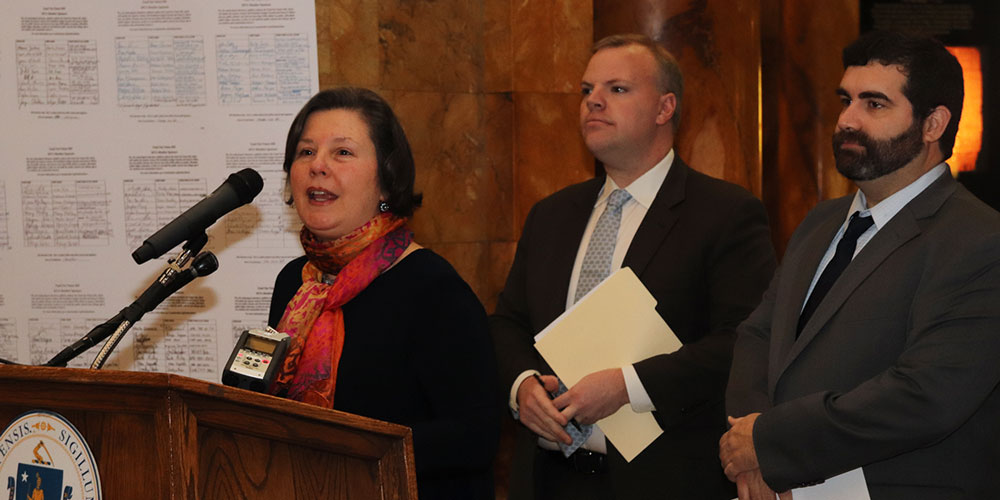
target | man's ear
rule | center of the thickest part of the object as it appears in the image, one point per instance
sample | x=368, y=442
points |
x=668, y=106
x=935, y=123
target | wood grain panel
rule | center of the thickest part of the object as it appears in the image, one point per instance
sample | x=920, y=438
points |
x=160, y=436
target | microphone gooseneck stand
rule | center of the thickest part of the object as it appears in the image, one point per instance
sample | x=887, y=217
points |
x=173, y=278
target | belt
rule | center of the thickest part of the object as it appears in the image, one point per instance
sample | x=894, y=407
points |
x=582, y=461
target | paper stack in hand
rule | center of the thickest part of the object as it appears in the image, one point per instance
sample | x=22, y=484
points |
x=614, y=325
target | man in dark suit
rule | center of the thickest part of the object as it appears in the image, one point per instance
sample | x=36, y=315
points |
x=702, y=248
x=893, y=365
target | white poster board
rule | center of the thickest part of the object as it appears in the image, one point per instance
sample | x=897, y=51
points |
x=117, y=116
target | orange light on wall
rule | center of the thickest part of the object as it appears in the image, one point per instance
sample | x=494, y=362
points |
x=970, y=129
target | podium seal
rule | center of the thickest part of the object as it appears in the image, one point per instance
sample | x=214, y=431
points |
x=44, y=457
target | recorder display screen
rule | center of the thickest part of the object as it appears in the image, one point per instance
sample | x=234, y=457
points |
x=260, y=345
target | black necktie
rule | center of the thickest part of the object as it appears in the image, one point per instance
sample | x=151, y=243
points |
x=845, y=252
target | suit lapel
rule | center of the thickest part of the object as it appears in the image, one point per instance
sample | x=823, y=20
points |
x=902, y=228
x=803, y=265
x=659, y=219
x=566, y=242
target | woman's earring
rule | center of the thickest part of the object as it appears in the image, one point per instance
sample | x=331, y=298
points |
x=383, y=207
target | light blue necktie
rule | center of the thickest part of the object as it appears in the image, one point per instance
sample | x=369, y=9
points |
x=597, y=261
x=595, y=267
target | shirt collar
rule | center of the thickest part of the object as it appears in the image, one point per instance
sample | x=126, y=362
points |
x=643, y=190
x=884, y=211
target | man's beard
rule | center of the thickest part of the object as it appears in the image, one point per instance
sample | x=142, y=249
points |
x=878, y=158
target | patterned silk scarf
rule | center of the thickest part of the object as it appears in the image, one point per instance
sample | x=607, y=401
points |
x=314, y=318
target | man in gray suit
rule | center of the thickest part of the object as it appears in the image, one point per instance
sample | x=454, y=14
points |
x=877, y=345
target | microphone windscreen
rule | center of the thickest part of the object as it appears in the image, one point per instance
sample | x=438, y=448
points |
x=247, y=183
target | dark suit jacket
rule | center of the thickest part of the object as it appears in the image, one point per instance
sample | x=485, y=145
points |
x=704, y=251
x=897, y=369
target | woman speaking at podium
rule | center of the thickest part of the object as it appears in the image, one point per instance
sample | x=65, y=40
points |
x=381, y=327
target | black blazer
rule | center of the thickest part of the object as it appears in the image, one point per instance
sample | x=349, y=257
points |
x=704, y=251
x=897, y=370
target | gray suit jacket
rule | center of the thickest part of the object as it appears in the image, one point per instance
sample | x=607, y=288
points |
x=704, y=251
x=897, y=370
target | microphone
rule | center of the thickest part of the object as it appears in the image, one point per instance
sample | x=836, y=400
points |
x=238, y=190
x=203, y=264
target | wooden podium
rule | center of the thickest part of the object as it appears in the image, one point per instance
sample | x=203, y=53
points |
x=161, y=436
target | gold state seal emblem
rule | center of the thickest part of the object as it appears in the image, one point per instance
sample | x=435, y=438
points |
x=44, y=457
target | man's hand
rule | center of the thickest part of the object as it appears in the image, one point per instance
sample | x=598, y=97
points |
x=750, y=485
x=736, y=451
x=739, y=459
x=594, y=397
x=538, y=413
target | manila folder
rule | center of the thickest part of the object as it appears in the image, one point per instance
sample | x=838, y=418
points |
x=614, y=325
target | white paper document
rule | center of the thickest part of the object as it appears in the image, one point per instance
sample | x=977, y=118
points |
x=849, y=485
x=614, y=325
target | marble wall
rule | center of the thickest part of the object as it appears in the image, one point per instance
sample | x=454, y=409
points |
x=717, y=45
x=487, y=92
x=801, y=46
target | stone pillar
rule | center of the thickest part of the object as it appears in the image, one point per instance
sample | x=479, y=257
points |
x=802, y=42
x=717, y=43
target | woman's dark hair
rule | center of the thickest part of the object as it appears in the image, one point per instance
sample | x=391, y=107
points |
x=392, y=150
x=933, y=75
